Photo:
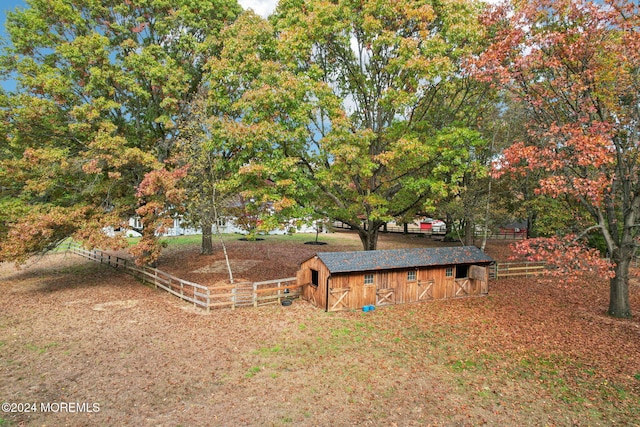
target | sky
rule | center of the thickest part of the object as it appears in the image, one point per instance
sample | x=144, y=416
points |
x=261, y=7
x=6, y=5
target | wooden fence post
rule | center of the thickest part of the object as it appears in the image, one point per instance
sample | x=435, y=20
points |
x=255, y=294
x=279, y=292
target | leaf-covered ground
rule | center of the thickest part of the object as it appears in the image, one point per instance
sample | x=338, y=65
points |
x=533, y=352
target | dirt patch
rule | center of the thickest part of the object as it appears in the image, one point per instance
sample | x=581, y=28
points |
x=115, y=305
x=220, y=266
x=276, y=259
x=531, y=353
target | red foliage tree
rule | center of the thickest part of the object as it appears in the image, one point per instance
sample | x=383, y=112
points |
x=575, y=64
x=161, y=197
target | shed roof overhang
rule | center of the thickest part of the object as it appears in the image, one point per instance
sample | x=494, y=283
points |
x=358, y=261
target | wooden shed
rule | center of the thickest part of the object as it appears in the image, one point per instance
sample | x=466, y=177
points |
x=338, y=281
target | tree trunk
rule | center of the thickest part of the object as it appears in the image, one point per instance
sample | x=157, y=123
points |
x=149, y=236
x=207, y=240
x=621, y=255
x=619, y=286
x=216, y=221
x=369, y=236
x=469, y=233
x=532, y=231
x=448, y=226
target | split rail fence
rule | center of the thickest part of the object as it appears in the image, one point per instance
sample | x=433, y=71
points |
x=244, y=294
x=217, y=296
x=416, y=229
x=512, y=269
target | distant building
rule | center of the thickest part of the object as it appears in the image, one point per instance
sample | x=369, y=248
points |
x=226, y=226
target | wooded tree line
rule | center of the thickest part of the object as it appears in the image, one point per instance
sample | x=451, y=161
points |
x=358, y=111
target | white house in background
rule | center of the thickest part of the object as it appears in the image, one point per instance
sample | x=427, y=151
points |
x=226, y=226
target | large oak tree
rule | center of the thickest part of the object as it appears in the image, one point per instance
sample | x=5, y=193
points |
x=385, y=117
x=100, y=86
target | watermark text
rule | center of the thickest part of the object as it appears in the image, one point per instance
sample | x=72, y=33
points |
x=54, y=407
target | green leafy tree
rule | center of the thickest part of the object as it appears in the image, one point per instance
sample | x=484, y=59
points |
x=372, y=104
x=205, y=170
x=239, y=90
x=100, y=87
x=465, y=204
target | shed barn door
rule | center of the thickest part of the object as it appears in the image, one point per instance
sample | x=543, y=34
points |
x=385, y=293
x=383, y=280
x=463, y=287
x=339, y=299
x=425, y=289
x=312, y=294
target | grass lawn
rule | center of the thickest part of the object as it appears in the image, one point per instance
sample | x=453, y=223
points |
x=531, y=353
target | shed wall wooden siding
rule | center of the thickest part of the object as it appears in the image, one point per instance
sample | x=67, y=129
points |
x=315, y=295
x=348, y=291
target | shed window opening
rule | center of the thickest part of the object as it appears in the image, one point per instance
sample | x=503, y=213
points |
x=314, y=277
x=462, y=271
x=368, y=279
x=411, y=276
x=449, y=272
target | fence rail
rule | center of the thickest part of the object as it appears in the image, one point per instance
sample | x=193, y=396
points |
x=247, y=294
x=512, y=269
x=198, y=295
x=503, y=235
x=390, y=228
x=219, y=296
x=439, y=233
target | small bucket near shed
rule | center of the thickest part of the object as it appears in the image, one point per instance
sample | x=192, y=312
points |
x=368, y=308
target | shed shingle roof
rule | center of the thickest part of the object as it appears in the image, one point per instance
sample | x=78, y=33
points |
x=344, y=262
